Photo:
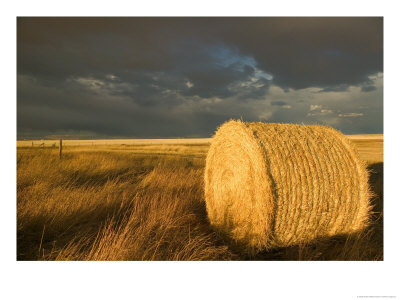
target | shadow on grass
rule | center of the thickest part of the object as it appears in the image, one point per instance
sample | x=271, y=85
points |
x=44, y=234
x=79, y=178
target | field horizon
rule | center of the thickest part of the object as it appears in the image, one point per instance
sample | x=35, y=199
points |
x=108, y=141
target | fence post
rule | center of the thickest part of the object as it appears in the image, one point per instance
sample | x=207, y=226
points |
x=60, y=148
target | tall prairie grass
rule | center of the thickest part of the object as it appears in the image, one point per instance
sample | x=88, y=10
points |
x=143, y=203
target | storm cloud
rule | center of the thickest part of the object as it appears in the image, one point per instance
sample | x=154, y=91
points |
x=174, y=77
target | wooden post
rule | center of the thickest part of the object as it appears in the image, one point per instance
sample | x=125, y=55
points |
x=60, y=148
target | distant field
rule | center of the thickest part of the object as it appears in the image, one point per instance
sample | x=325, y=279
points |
x=143, y=200
x=365, y=136
x=370, y=146
x=49, y=143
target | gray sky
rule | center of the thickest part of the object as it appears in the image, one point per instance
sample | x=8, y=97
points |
x=182, y=77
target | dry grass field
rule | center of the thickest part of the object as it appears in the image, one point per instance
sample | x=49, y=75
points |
x=144, y=200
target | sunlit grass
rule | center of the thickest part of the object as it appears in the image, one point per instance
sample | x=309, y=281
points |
x=144, y=202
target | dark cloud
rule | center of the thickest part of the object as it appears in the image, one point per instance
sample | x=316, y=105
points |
x=368, y=88
x=279, y=103
x=167, y=76
x=299, y=52
x=335, y=88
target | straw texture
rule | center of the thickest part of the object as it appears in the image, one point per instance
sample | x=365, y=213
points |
x=276, y=185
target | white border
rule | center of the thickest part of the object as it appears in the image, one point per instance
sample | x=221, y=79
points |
x=204, y=280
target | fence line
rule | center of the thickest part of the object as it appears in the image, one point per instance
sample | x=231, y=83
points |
x=116, y=142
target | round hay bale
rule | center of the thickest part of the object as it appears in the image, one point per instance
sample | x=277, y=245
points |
x=276, y=185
